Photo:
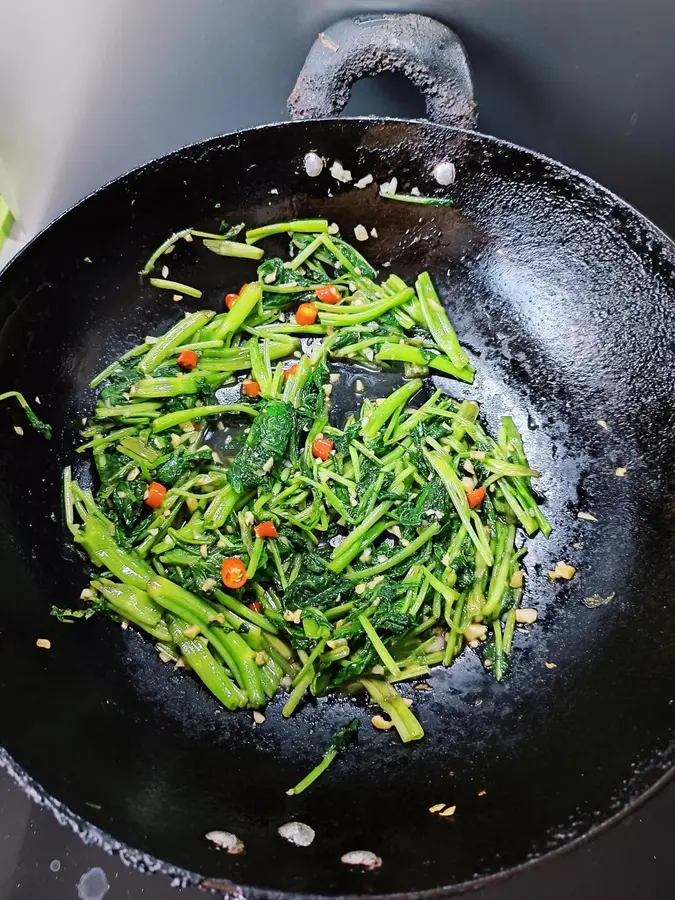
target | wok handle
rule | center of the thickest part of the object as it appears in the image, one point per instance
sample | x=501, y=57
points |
x=423, y=49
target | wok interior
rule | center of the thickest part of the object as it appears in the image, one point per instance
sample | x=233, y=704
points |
x=566, y=296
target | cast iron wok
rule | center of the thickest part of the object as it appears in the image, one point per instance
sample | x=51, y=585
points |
x=565, y=296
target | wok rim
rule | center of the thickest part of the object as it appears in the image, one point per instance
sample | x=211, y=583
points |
x=589, y=182
x=147, y=864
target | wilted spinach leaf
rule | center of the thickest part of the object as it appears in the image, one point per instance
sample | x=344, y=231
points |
x=267, y=439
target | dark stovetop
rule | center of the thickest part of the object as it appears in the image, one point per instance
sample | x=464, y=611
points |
x=587, y=83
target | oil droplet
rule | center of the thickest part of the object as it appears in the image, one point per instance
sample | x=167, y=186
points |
x=93, y=885
x=55, y=865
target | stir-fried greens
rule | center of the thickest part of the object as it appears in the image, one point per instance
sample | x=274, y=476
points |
x=322, y=556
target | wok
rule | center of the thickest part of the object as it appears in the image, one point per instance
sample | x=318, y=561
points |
x=565, y=295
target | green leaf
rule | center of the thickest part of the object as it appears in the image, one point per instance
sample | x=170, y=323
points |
x=268, y=439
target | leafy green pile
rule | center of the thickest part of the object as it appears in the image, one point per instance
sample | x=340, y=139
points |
x=376, y=563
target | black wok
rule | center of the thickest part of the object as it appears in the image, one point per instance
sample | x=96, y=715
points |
x=565, y=294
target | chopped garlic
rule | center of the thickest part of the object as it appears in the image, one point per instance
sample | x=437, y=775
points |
x=562, y=571
x=361, y=858
x=475, y=631
x=360, y=589
x=340, y=173
x=437, y=807
x=517, y=579
x=468, y=467
x=445, y=173
x=191, y=631
x=586, y=516
x=381, y=723
x=43, y=643
x=364, y=182
x=359, y=386
x=249, y=518
x=389, y=187
x=596, y=600
x=177, y=298
x=204, y=550
x=258, y=717
x=297, y=833
x=224, y=840
x=550, y=665
x=373, y=233
x=165, y=271
x=338, y=642
x=526, y=616
x=295, y=616
x=448, y=811
x=268, y=465
x=361, y=233
x=602, y=424
x=621, y=471
x=313, y=164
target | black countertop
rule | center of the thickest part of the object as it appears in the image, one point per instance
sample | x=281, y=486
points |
x=590, y=84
